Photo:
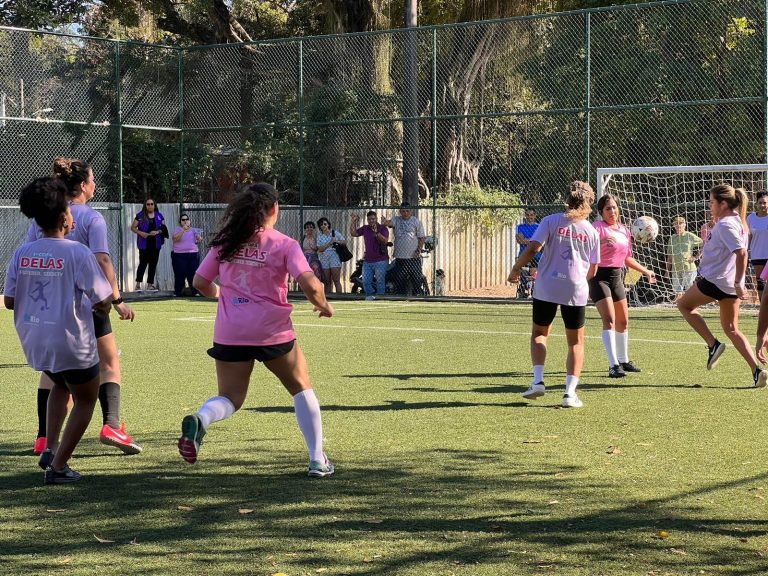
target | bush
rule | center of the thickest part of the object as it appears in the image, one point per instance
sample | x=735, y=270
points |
x=480, y=207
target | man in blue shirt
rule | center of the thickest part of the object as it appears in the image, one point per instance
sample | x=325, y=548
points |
x=525, y=232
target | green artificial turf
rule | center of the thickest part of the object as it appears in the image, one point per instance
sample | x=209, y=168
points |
x=442, y=468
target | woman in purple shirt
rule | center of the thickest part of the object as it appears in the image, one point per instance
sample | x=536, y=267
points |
x=185, y=257
x=570, y=249
x=148, y=227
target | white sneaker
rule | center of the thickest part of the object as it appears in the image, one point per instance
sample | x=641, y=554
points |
x=572, y=402
x=370, y=298
x=535, y=391
x=760, y=378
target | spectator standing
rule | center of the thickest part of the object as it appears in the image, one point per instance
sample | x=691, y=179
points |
x=525, y=232
x=148, y=227
x=376, y=258
x=758, y=239
x=185, y=256
x=309, y=246
x=409, y=242
x=327, y=240
x=682, y=252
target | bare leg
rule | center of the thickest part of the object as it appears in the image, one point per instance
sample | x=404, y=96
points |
x=539, y=336
x=57, y=412
x=607, y=313
x=688, y=305
x=84, y=397
x=233, y=380
x=291, y=370
x=336, y=277
x=729, y=320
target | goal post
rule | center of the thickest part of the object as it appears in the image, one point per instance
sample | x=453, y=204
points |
x=666, y=193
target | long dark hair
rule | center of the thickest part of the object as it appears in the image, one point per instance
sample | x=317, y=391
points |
x=72, y=172
x=45, y=200
x=244, y=216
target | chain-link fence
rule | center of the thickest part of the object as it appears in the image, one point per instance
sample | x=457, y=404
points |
x=483, y=118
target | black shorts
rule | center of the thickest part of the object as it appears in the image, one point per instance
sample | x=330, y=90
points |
x=73, y=377
x=101, y=324
x=708, y=289
x=758, y=261
x=231, y=353
x=544, y=313
x=608, y=282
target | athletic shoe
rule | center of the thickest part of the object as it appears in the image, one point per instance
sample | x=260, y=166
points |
x=572, y=401
x=64, y=476
x=152, y=288
x=137, y=288
x=192, y=433
x=319, y=469
x=535, y=391
x=629, y=367
x=119, y=438
x=45, y=459
x=40, y=445
x=761, y=378
x=616, y=371
x=715, y=351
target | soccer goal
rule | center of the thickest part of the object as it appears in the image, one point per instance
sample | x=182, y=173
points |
x=664, y=193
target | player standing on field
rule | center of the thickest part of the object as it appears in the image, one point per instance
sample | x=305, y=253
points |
x=91, y=230
x=52, y=285
x=570, y=250
x=722, y=270
x=252, y=261
x=607, y=290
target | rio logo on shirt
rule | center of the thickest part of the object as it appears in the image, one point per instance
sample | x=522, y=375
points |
x=578, y=236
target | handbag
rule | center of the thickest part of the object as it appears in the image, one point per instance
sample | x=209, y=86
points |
x=342, y=250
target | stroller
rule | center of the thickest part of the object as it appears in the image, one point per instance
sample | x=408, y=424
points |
x=526, y=282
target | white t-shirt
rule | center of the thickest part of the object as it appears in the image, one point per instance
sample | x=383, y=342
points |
x=53, y=282
x=758, y=227
x=718, y=261
x=569, y=248
x=406, y=235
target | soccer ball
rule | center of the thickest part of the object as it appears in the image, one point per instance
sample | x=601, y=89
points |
x=645, y=229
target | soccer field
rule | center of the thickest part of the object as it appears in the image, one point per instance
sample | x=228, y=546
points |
x=442, y=468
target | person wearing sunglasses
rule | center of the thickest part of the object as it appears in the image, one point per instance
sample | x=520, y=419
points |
x=149, y=227
x=185, y=256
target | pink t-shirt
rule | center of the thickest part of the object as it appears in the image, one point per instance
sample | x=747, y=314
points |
x=569, y=248
x=253, y=303
x=53, y=282
x=615, y=244
x=186, y=244
x=718, y=261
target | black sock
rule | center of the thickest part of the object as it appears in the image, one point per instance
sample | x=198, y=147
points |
x=42, y=411
x=109, y=398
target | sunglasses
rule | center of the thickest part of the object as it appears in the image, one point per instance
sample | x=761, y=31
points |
x=185, y=219
x=150, y=204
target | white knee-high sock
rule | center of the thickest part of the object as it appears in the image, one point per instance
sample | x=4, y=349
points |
x=570, y=385
x=622, y=346
x=310, y=422
x=215, y=409
x=538, y=373
x=609, y=342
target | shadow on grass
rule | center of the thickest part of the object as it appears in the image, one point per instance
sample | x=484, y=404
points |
x=441, y=509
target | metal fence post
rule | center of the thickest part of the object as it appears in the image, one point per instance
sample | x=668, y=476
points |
x=181, y=127
x=119, y=103
x=588, y=93
x=300, y=98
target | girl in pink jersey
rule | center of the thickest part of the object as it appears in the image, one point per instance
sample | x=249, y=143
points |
x=606, y=289
x=722, y=269
x=52, y=285
x=570, y=254
x=252, y=261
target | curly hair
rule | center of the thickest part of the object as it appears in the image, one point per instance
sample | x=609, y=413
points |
x=45, y=200
x=578, y=201
x=72, y=172
x=244, y=216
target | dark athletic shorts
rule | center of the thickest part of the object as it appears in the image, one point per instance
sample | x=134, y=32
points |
x=101, y=324
x=607, y=283
x=758, y=262
x=230, y=353
x=708, y=289
x=73, y=377
x=544, y=313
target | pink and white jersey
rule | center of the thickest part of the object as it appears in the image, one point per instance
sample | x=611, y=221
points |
x=569, y=248
x=53, y=282
x=253, y=305
x=615, y=244
x=90, y=229
x=718, y=261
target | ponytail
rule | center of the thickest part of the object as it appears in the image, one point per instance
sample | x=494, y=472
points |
x=578, y=200
x=244, y=216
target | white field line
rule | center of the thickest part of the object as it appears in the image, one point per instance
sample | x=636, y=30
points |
x=449, y=330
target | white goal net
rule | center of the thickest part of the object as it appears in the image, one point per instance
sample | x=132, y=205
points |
x=665, y=193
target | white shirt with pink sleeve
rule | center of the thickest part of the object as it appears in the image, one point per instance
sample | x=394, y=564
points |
x=718, y=261
x=569, y=249
x=253, y=307
x=615, y=244
x=53, y=282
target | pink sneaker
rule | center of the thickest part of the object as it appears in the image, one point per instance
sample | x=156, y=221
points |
x=40, y=445
x=119, y=438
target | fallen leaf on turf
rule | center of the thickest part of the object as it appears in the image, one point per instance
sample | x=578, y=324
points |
x=245, y=511
x=367, y=560
x=65, y=560
x=553, y=502
x=319, y=570
x=373, y=521
x=678, y=551
x=135, y=541
x=55, y=510
x=613, y=451
x=531, y=441
x=103, y=540
x=760, y=496
x=184, y=508
x=551, y=436
x=279, y=574
x=644, y=444
x=743, y=540
x=662, y=534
